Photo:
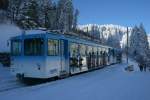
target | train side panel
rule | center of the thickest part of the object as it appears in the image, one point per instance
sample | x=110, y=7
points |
x=52, y=66
x=30, y=67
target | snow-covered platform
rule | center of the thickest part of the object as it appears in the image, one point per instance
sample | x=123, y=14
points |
x=111, y=83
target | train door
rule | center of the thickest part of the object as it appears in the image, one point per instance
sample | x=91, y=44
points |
x=64, y=57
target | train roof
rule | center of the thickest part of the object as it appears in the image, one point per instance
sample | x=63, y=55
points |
x=57, y=35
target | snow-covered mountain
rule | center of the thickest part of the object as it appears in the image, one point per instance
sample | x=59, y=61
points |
x=109, y=32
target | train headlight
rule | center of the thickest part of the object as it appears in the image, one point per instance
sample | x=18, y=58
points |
x=39, y=66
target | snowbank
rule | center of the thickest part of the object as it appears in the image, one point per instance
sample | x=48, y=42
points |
x=7, y=80
x=7, y=31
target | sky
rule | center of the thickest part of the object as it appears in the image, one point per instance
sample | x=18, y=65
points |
x=120, y=12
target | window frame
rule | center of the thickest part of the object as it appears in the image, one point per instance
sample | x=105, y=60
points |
x=77, y=50
x=42, y=47
x=58, y=47
x=82, y=46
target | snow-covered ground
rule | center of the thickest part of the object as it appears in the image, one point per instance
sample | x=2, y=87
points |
x=111, y=83
x=7, y=80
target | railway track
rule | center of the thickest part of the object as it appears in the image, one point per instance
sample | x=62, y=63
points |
x=8, y=85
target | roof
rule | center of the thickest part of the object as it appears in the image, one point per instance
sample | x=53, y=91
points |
x=43, y=32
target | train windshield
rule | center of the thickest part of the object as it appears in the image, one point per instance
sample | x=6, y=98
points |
x=34, y=47
x=16, y=47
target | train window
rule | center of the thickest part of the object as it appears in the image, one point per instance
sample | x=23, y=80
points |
x=107, y=50
x=95, y=49
x=33, y=47
x=89, y=49
x=82, y=49
x=99, y=49
x=73, y=50
x=53, y=47
x=102, y=49
x=16, y=47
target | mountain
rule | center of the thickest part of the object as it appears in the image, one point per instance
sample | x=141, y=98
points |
x=109, y=33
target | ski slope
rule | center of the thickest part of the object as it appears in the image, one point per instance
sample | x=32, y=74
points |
x=111, y=83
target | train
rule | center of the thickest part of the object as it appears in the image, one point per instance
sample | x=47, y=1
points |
x=43, y=54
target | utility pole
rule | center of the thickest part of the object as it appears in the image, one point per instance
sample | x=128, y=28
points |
x=127, y=44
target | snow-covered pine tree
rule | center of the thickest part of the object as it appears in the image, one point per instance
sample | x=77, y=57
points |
x=145, y=38
x=3, y=10
x=29, y=15
x=133, y=42
x=113, y=42
x=139, y=43
x=42, y=13
x=145, y=44
x=102, y=39
x=75, y=19
x=65, y=15
x=32, y=11
x=14, y=9
x=54, y=17
x=47, y=14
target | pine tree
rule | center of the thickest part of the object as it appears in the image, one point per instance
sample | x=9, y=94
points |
x=45, y=13
x=3, y=9
x=75, y=19
x=32, y=11
x=14, y=10
x=29, y=15
x=113, y=42
x=139, y=43
x=65, y=15
x=145, y=38
x=102, y=39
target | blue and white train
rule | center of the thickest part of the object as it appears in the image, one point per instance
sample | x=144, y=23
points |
x=44, y=54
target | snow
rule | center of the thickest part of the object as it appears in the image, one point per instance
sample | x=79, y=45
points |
x=7, y=80
x=4, y=73
x=111, y=83
x=6, y=31
x=38, y=31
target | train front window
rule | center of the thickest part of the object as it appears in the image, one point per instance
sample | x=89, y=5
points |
x=34, y=47
x=16, y=47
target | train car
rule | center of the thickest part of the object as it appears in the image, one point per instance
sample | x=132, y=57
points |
x=44, y=54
